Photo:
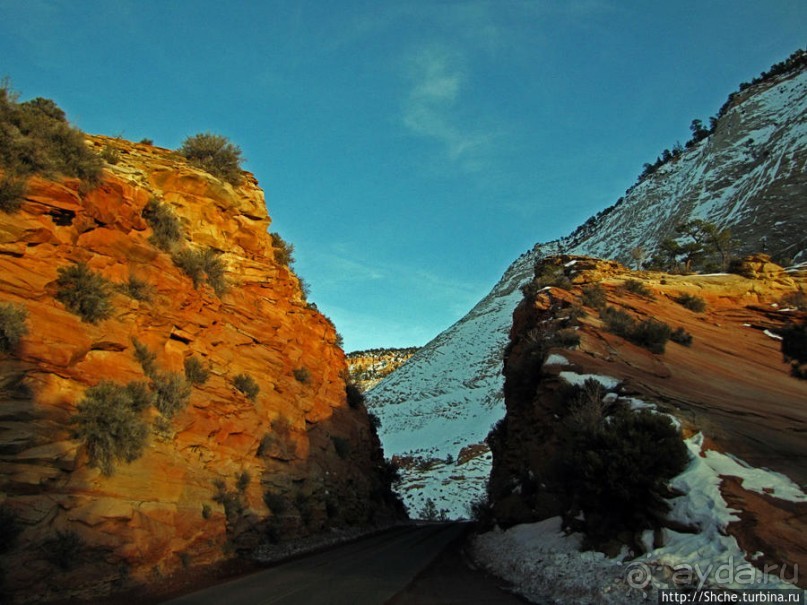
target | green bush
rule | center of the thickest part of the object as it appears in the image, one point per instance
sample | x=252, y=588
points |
x=302, y=375
x=195, y=371
x=35, y=137
x=617, y=471
x=247, y=385
x=110, y=155
x=691, y=302
x=12, y=326
x=145, y=357
x=650, y=333
x=637, y=287
x=12, y=193
x=137, y=289
x=550, y=276
x=284, y=251
x=171, y=392
x=617, y=321
x=215, y=154
x=682, y=337
x=594, y=296
x=84, y=292
x=202, y=266
x=165, y=225
x=109, y=422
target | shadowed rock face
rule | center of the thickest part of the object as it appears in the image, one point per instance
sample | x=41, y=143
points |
x=731, y=384
x=180, y=503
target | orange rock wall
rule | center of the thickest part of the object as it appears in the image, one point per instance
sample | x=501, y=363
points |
x=156, y=514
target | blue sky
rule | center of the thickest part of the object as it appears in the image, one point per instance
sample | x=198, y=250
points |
x=409, y=150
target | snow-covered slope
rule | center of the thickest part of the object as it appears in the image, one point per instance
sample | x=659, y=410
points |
x=749, y=175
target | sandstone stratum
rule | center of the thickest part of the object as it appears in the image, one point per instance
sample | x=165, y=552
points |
x=722, y=374
x=267, y=446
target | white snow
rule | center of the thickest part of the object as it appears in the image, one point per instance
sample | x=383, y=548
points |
x=556, y=359
x=770, y=334
x=576, y=379
x=546, y=565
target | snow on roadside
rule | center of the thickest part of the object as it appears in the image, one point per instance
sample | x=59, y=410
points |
x=546, y=565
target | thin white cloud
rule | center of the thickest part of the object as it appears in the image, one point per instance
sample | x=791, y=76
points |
x=436, y=77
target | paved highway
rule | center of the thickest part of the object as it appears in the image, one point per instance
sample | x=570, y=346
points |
x=368, y=572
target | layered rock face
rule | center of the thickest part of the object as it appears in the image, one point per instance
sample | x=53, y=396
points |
x=730, y=383
x=237, y=463
x=368, y=368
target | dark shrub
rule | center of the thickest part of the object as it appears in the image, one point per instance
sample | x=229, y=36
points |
x=637, y=287
x=110, y=425
x=110, y=155
x=794, y=343
x=36, y=138
x=215, y=154
x=247, y=385
x=12, y=193
x=551, y=276
x=284, y=251
x=594, y=296
x=691, y=302
x=275, y=502
x=202, y=266
x=145, y=357
x=171, y=392
x=137, y=289
x=567, y=338
x=166, y=227
x=617, y=471
x=302, y=375
x=341, y=445
x=796, y=300
x=242, y=481
x=195, y=371
x=84, y=292
x=652, y=335
x=12, y=326
x=617, y=321
x=682, y=337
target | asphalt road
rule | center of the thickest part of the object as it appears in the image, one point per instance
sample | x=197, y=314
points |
x=367, y=572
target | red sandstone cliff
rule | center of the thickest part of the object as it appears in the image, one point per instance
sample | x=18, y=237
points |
x=198, y=491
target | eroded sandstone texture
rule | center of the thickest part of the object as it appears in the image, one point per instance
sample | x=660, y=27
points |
x=198, y=492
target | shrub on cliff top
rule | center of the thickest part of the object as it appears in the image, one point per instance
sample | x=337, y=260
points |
x=35, y=137
x=12, y=326
x=215, y=154
x=109, y=422
x=84, y=292
x=284, y=251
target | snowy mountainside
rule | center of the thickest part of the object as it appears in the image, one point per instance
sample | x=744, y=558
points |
x=447, y=397
x=748, y=175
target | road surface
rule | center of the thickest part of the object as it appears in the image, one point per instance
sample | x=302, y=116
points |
x=368, y=572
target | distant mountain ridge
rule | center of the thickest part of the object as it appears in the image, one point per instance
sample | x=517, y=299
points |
x=747, y=174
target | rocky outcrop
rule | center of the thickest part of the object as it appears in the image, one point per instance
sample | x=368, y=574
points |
x=369, y=367
x=729, y=382
x=285, y=457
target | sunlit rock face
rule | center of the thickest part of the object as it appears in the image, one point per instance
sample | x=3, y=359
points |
x=197, y=491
